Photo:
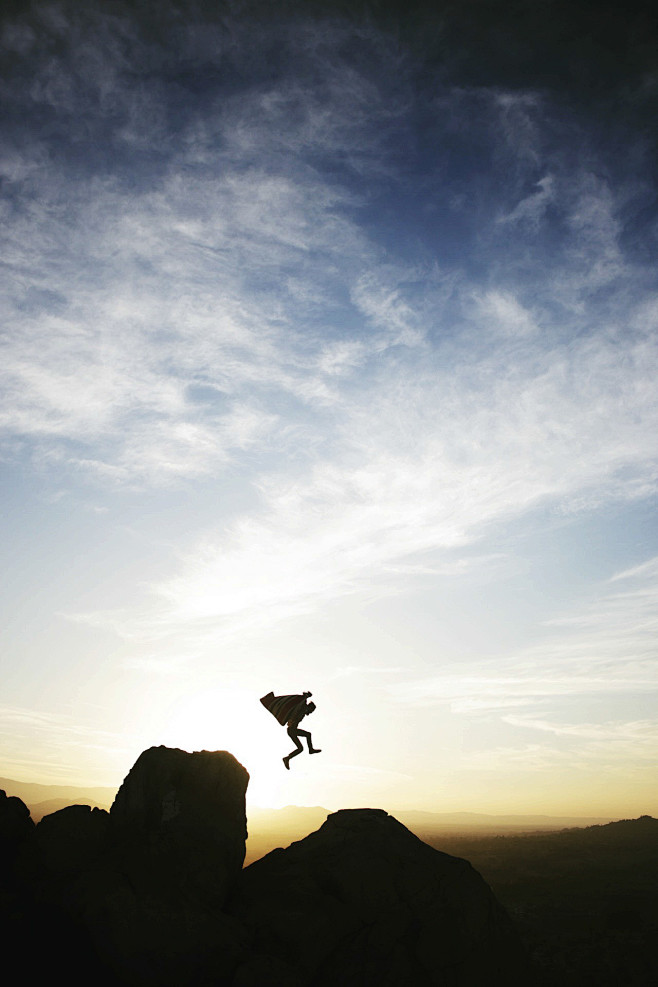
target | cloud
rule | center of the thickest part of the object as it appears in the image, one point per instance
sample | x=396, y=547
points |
x=231, y=244
x=230, y=292
x=601, y=653
x=646, y=570
x=620, y=625
x=532, y=208
x=115, y=369
x=620, y=749
x=383, y=306
x=370, y=315
x=477, y=691
x=505, y=315
x=59, y=745
x=222, y=262
x=425, y=460
x=636, y=736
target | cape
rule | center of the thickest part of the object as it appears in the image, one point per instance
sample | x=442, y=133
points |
x=283, y=707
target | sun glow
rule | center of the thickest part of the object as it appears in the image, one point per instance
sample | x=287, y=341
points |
x=233, y=720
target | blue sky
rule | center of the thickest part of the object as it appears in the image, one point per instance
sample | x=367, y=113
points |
x=329, y=362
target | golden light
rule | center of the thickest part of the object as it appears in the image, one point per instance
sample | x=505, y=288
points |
x=233, y=720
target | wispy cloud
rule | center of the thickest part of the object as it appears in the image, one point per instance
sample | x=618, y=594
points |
x=504, y=314
x=340, y=319
x=532, y=208
x=236, y=301
x=616, y=749
x=208, y=272
x=639, y=737
x=39, y=742
x=603, y=656
x=169, y=319
x=425, y=463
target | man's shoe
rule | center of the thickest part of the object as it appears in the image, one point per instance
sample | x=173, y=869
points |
x=285, y=761
x=315, y=750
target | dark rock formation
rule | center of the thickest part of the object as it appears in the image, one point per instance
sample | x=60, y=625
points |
x=363, y=901
x=15, y=828
x=72, y=839
x=136, y=895
x=152, y=894
x=154, y=910
x=16, y=831
x=178, y=829
x=186, y=813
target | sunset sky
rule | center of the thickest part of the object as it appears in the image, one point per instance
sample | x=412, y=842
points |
x=329, y=362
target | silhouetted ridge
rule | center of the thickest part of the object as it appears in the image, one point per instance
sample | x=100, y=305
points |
x=152, y=893
x=642, y=827
x=16, y=827
x=364, y=901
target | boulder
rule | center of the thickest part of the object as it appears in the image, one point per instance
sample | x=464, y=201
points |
x=26, y=915
x=185, y=816
x=135, y=896
x=16, y=827
x=364, y=902
x=154, y=909
x=72, y=839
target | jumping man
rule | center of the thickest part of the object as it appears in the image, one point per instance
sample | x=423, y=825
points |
x=290, y=711
x=295, y=733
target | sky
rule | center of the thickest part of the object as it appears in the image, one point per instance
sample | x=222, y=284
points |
x=329, y=359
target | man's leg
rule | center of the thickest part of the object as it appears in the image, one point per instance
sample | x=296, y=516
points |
x=311, y=748
x=298, y=748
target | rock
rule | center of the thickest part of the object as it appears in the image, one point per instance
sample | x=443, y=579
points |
x=154, y=910
x=145, y=937
x=16, y=827
x=364, y=902
x=16, y=851
x=26, y=916
x=72, y=839
x=186, y=815
x=153, y=895
x=135, y=896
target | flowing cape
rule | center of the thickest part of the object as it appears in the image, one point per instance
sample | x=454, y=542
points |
x=283, y=707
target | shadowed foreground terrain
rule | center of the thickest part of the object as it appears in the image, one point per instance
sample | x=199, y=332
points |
x=584, y=900
x=153, y=893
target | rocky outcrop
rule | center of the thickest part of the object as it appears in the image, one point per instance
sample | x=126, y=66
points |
x=72, y=840
x=15, y=828
x=185, y=814
x=139, y=891
x=178, y=831
x=363, y=901
x=16, y=831
x=152, y=893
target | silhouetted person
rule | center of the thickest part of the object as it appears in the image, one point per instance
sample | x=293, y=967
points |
x=300, y=711
x=290, y=711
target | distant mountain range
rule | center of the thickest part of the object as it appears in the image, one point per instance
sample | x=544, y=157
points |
x=270, y=828
x=296, y=819
x=417, y=819
x=44, y=799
